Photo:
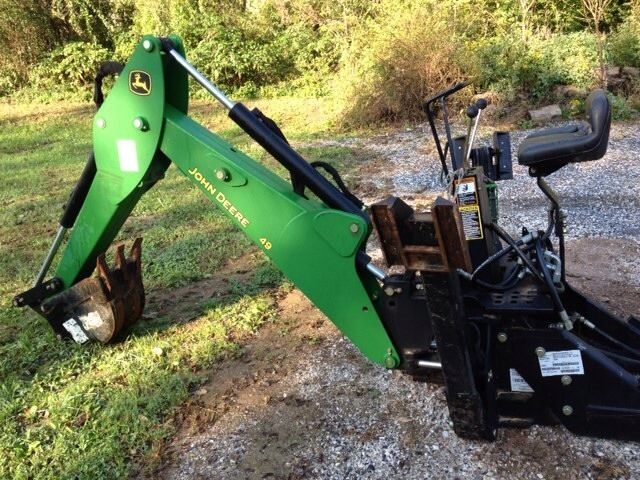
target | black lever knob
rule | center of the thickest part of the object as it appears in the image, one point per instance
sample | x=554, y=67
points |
x=472, y=111
x=481, y=103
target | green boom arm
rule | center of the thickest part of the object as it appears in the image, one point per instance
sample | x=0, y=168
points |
x=142, y=128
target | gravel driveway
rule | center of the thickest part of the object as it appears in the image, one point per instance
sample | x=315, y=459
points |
x=305, y=404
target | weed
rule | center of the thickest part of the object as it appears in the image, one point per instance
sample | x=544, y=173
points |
x=620, y=108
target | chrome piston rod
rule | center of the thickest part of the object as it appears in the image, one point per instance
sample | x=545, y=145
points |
x=50, y=255
x=202, y=80
x=430, y=364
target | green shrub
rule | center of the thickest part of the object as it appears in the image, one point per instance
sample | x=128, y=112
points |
x=91, y=21
x=511, y=66
x=502, y=64
x=67, y=72
x=620, y=108
x=236, y=54
x=26, y=33
x=624, y=46
x=235, y=48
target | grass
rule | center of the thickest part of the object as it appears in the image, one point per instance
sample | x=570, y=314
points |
x=69, y=411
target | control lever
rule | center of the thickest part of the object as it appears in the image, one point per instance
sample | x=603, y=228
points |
x=472, y=112
x=480, y=105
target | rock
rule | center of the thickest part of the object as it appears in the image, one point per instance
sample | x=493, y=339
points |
x=545, y=114
x=569, y=91
x=612, y=71
x=618, y=85
x=491, y=111
x=631, y=72
x=492, y=98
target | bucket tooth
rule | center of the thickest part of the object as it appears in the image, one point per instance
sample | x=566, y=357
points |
x=104, y=305
x=120, y=260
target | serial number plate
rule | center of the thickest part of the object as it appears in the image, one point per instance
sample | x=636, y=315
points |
x=566, y=362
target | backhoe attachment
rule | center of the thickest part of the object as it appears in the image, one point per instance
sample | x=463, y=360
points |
x=493, y=315
x=314, y=232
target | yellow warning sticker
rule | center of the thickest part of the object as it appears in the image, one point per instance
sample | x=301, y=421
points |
x=471, y=222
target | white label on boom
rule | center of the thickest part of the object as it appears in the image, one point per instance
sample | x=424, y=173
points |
x=566, y=362
x=128, y=156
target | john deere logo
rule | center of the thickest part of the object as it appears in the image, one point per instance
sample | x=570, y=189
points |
x=139, y=82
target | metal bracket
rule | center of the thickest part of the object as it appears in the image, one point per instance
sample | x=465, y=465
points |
x=35, y=295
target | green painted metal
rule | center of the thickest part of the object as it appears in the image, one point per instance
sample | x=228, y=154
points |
x=127, y=160
x=313, y=245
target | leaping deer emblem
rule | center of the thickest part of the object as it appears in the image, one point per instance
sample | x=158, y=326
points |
x=139, y=84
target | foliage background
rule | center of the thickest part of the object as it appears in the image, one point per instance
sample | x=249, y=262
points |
x=379, y=58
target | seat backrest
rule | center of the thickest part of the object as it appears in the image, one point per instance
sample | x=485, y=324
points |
x=599, y=116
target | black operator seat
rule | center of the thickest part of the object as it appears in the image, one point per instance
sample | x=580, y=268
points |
x=549, y=150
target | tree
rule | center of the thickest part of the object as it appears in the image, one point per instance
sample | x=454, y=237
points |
x=594, y=12
x=525, y=9
x=26, y=32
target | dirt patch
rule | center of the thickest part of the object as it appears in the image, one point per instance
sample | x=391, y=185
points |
x=184, y=303
x=608, y=270
x=254, y=381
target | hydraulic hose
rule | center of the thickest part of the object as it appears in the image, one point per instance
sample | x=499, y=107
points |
x=507, y=284
x=549, y=230
x=611, y=339
x=527, y=261
x=496, y=256
x=293, y=161
x=633, y=362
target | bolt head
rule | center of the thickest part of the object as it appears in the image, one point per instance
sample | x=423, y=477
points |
x=140, y=123
x=566, y=380
x=147, y=45
x=390, y=362
x=540, y=351
x=101, y=123
x=221, y=175
x=389, y=291
x=502, y=337
x=354, y=228
x=567, y=410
